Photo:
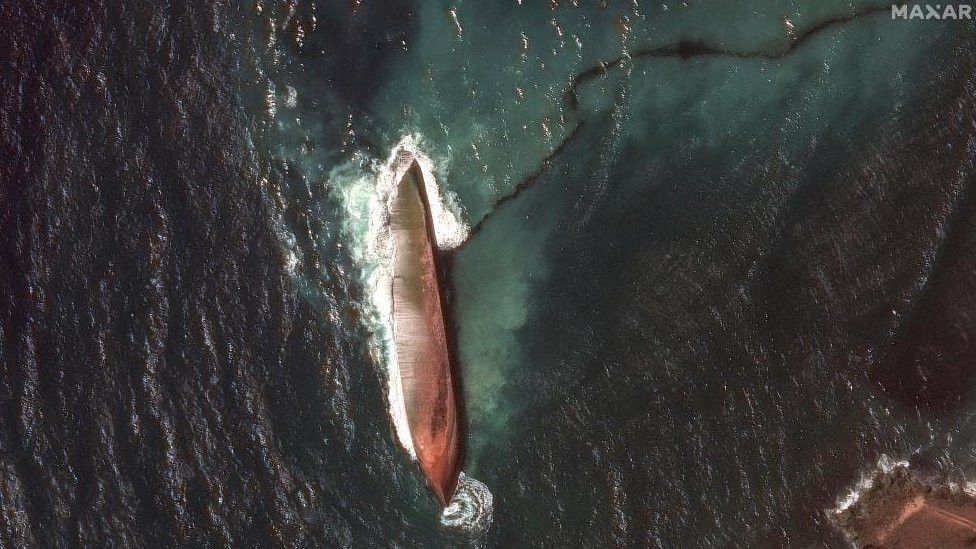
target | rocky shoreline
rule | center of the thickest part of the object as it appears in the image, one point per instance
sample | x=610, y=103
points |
x=899, y=510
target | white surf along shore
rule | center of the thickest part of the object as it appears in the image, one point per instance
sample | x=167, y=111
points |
x=866, y=481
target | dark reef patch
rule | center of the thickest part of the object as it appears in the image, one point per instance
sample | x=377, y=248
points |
x=348, y=49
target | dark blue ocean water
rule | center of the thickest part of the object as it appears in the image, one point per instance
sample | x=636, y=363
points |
x=716, y=266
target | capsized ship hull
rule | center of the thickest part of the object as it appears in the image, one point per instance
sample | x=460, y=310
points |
x=421, y=338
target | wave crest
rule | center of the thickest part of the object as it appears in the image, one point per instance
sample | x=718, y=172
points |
x=471, y=510
x=885, y=465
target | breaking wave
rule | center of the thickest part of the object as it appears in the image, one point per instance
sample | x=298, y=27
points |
x=866, y=481
x=471, y=510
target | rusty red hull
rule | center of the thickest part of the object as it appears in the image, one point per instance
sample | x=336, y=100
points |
x=424, y=349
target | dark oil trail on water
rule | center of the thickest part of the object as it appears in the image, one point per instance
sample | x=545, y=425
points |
x=726, y=284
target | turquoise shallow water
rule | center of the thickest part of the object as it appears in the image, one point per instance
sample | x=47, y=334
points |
x=719, y=112
x=715, y=264
x=690, y=221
